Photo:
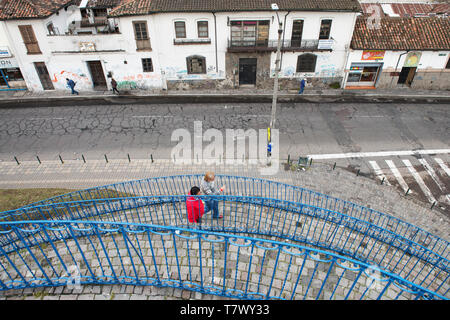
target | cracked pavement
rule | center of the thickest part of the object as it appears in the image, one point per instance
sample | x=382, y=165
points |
x=141, y=130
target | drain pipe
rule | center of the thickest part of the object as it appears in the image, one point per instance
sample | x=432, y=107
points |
x=215, y=41
x=284, y=33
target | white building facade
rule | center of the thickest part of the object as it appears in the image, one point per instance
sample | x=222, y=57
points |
x=11, y=78
x=196, y=47
x=407, y=45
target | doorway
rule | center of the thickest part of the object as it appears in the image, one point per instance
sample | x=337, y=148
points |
x=297, y=32
x=247, y=71
x=42, y=72
x=407, y=75
x=97, y=75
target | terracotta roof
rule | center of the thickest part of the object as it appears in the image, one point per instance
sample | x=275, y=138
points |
x=421, y=33
x=21, y=9
x=141, y=7
x=102, y=3
x=410, y=9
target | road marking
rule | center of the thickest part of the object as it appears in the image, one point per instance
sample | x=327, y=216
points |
x=46, y=118
x=443, y=166
x=397, y=175
x=419, y=180
x=376, y=154
x=379, y=172
x=435, y=178
x=152, y=116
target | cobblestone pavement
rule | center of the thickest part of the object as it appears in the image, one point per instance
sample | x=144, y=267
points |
x=319, y=177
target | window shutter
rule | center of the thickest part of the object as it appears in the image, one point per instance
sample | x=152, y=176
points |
x=29, y=39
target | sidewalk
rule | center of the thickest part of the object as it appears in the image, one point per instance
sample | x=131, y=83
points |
x=236, y=95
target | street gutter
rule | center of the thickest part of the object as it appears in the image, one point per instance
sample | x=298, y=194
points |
x=24, y=102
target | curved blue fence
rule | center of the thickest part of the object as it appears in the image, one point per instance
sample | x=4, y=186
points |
x=248, y=186
x=263, y=247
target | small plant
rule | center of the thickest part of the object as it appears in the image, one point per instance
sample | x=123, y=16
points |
x=335, y=85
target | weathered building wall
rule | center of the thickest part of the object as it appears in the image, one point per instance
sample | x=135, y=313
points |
x=431, y=72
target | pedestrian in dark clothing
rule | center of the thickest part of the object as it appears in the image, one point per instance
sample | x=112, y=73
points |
x=71, y=84
x=114, y=85
x=302, y=86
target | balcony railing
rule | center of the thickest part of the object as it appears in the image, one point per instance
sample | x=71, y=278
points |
x=98, y=21
x=271, y=45
x=181, y=41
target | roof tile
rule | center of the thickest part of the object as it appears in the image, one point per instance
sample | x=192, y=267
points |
x=420, y=33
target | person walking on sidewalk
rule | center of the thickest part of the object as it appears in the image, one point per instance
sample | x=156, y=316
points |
x=208, y=188
x=114, y=85
x=302, y=86
x=71, y=84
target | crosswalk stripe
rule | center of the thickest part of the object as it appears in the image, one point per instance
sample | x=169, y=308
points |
x=420, y=182
x=376, y=154
x=443, y=166
x=379, y=172
x=397, y=175
x=435, y=178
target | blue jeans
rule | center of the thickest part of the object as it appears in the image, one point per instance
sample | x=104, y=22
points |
x=73, y=90
x=301, y=90
x=212, y=205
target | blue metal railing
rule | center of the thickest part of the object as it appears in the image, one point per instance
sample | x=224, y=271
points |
x=207, y=262
x=247, y=186
x=286, y=220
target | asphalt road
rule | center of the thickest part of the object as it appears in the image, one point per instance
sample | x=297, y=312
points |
x=141, y=130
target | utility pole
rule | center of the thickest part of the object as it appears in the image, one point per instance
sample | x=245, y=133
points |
x=275, y=85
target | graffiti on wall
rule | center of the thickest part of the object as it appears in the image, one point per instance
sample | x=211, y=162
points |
x=182, y=74
x=77, y=77
x=139, y=81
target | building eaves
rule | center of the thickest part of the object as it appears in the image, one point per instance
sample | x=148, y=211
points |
x=142, y=7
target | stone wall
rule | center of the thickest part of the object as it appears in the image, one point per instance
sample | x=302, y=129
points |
x=429, y=80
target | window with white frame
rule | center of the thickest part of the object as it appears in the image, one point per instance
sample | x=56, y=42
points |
x=180, y=29
x=325, y=29
x=202, y=29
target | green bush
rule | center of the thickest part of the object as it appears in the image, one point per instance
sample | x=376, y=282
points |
x=335, y=85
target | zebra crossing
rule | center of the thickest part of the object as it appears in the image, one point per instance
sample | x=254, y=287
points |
x=427, y=178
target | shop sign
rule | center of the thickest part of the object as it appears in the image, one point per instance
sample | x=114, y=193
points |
x=87, y=46
x=325, y=44
x=373, y=55
x=356, y=68
x=8, y=63
x=4, y=52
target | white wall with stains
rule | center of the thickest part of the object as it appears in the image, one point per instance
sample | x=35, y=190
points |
x=120, y=58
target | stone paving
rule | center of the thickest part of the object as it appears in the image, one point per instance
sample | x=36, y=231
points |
x=319, y=177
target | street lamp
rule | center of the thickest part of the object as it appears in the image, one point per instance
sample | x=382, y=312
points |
x=275, y=84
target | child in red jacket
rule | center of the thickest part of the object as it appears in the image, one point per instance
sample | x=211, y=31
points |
x=194, y=206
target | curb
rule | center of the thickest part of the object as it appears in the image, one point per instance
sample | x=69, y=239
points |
x=221, y=98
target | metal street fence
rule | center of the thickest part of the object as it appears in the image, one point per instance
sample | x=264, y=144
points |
x=247, y=186
x=276, y=220
x=91, y=252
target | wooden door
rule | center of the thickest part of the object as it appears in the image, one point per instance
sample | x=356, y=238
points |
x=97, y=75
x=411, y=74
x=42, y=72
x=247, y=71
